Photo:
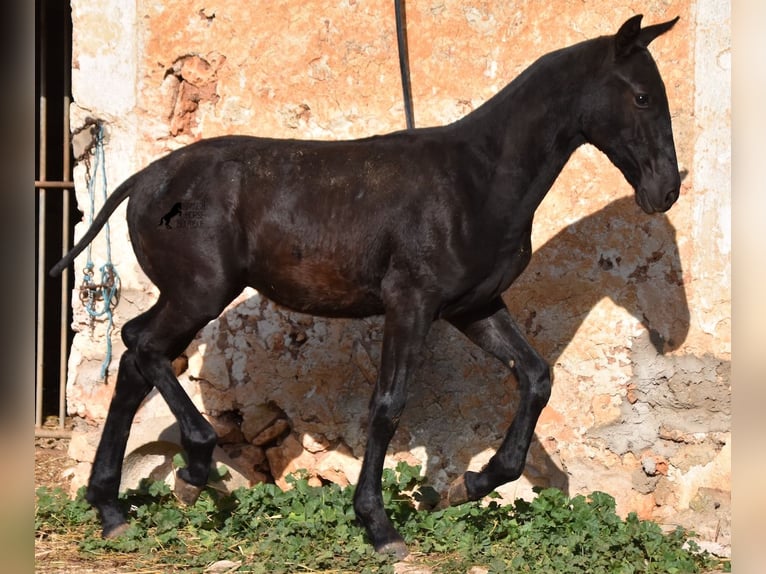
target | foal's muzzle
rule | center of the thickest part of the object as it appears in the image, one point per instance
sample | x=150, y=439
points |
x=659, y=196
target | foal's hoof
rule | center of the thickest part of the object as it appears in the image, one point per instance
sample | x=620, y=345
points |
x=186, y=493
x=397, y=549
x=458, y=493
x=115, y=532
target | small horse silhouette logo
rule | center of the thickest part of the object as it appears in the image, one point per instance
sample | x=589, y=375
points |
x=165, y=219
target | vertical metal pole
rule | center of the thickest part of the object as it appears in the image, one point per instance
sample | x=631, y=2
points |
x=66, y=171
x=42, y=176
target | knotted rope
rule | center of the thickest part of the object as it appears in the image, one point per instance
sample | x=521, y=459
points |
x=100, y=298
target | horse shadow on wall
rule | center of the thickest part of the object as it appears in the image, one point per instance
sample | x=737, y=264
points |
x=258, y=363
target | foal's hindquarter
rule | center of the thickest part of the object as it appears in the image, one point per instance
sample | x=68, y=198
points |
x=416, y=225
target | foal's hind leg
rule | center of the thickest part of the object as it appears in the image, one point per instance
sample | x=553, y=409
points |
x=165, y=337
x=104, y=483
x=497, y=333
x=153, y=339
x=130, y=390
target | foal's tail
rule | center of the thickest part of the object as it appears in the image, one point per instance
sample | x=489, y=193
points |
x=116, y=198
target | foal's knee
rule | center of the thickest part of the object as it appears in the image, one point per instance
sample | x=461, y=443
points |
x=385, y=412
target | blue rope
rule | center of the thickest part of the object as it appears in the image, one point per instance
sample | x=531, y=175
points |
x=108, y=288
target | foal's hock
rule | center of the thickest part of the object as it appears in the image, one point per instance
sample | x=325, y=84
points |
x=419, y=225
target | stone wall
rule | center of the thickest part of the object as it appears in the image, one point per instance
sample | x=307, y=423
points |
x=632, y=311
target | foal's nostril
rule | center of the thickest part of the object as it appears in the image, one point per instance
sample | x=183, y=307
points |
x=671, y=197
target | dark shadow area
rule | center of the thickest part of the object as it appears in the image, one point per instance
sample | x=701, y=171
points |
x=637, y=266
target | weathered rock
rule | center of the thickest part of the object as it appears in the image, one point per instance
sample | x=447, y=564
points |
x=654, y=465
x=83, y=444
x=315, y=444
x=339, y=466
x=228, y=427
x=411, y=566
x=249, y=460
x=278, y=429
x=223, y=567
x=290, y=458
x=257, y=418
x=154, y=460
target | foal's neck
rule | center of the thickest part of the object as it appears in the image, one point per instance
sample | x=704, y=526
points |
x=534, y=125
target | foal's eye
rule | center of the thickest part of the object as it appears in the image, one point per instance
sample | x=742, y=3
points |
x=642, y=100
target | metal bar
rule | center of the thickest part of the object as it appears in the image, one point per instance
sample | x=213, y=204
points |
x=63, y=335
x=66, y=173
x=40, y=355
x=52, y=433
x=54, y=184
x=40, y=307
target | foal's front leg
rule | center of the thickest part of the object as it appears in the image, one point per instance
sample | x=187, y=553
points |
x=495, y=331
x=406, y=326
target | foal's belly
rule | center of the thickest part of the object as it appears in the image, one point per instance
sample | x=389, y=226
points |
x=319, y=288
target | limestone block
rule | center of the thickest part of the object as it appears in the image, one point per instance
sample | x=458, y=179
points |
x=339, y=466
x=228, y=428
x=315, y=444
x=258, y=418
x=154, y=460
x=248, y=460
x=270, y=434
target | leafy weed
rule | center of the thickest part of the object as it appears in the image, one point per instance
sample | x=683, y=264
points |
x=313, y=529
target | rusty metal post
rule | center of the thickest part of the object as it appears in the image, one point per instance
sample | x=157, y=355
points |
x=65, y=175
x=41, y=275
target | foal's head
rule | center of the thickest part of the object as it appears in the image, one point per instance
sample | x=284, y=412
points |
x=628, y=117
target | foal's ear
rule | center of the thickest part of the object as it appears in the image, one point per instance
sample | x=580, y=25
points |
x=631, y=36
x=651, y=32
x=627, y=36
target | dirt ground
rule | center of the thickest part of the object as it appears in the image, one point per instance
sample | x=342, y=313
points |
x=58, y=554
x=51, y=461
